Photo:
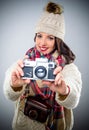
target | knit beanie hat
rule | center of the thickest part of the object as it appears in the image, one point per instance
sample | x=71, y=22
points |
x=52, y=21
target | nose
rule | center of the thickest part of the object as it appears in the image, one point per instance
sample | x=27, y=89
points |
x=43, y=41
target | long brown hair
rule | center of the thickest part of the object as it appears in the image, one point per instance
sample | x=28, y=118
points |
x=64, y=50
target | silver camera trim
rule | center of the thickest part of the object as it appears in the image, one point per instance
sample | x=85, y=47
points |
x=38, y=62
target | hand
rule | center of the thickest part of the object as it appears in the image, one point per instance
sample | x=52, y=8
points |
x=16, y=80
x=59, y=84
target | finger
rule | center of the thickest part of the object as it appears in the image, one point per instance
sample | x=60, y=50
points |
x=15, y=73
x=59, y=81
x=25, y=57
x=20, y=63
x=57, y=70
x=20, y=71
x=27, y=81
x=58, y=78
x=18, y=68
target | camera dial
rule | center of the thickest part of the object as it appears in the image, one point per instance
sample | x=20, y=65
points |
x=40, y=72
x=33, y=114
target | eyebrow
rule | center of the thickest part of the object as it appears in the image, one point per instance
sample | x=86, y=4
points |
x=47, y=35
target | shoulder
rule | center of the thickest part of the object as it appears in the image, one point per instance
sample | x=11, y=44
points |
x=70, y=66
x=71, y=69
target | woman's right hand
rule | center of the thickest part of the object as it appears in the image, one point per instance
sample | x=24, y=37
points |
x=16, y=77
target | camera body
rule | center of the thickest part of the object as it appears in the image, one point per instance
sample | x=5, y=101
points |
x=37, y=109
x=39, y=69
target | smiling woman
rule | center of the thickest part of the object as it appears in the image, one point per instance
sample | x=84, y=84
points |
x=45, y=43
x=42, y=103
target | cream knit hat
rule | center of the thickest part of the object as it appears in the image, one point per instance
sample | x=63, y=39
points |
x=52, y=21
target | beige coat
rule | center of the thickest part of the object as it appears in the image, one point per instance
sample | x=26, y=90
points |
x=72, y=78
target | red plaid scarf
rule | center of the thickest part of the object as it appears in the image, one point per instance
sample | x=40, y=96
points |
x=45, y=92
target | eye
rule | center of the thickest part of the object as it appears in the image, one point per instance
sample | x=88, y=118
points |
x=50, y=38
x=39, y=36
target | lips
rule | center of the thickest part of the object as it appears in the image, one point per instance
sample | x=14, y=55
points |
x=43, y=49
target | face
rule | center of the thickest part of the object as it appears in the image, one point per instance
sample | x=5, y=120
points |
x=45, y=43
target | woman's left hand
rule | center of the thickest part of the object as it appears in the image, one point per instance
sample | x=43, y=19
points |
x=58, y=85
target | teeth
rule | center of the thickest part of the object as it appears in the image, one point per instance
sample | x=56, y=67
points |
x=43, y=49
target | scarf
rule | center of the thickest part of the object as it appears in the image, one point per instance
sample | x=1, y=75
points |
x=45, y=92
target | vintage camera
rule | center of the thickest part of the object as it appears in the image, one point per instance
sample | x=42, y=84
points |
x=39, y=69
x=37, y=109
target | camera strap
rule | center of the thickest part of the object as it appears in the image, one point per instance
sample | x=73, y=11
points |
x=43, y=92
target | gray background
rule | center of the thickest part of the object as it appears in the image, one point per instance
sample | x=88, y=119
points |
x=17, y=26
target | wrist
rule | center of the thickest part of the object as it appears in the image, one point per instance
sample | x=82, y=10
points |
x=17, y=88
x=66, y=92
x=63, y=96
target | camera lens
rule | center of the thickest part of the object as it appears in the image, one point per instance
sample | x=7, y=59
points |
x=40, y=72
x=33, y=114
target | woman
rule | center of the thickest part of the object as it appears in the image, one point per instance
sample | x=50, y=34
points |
x=43, y=104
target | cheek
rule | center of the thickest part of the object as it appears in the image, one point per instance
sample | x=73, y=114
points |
x=37, y=46
x=36, y=43
x=52, y=46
